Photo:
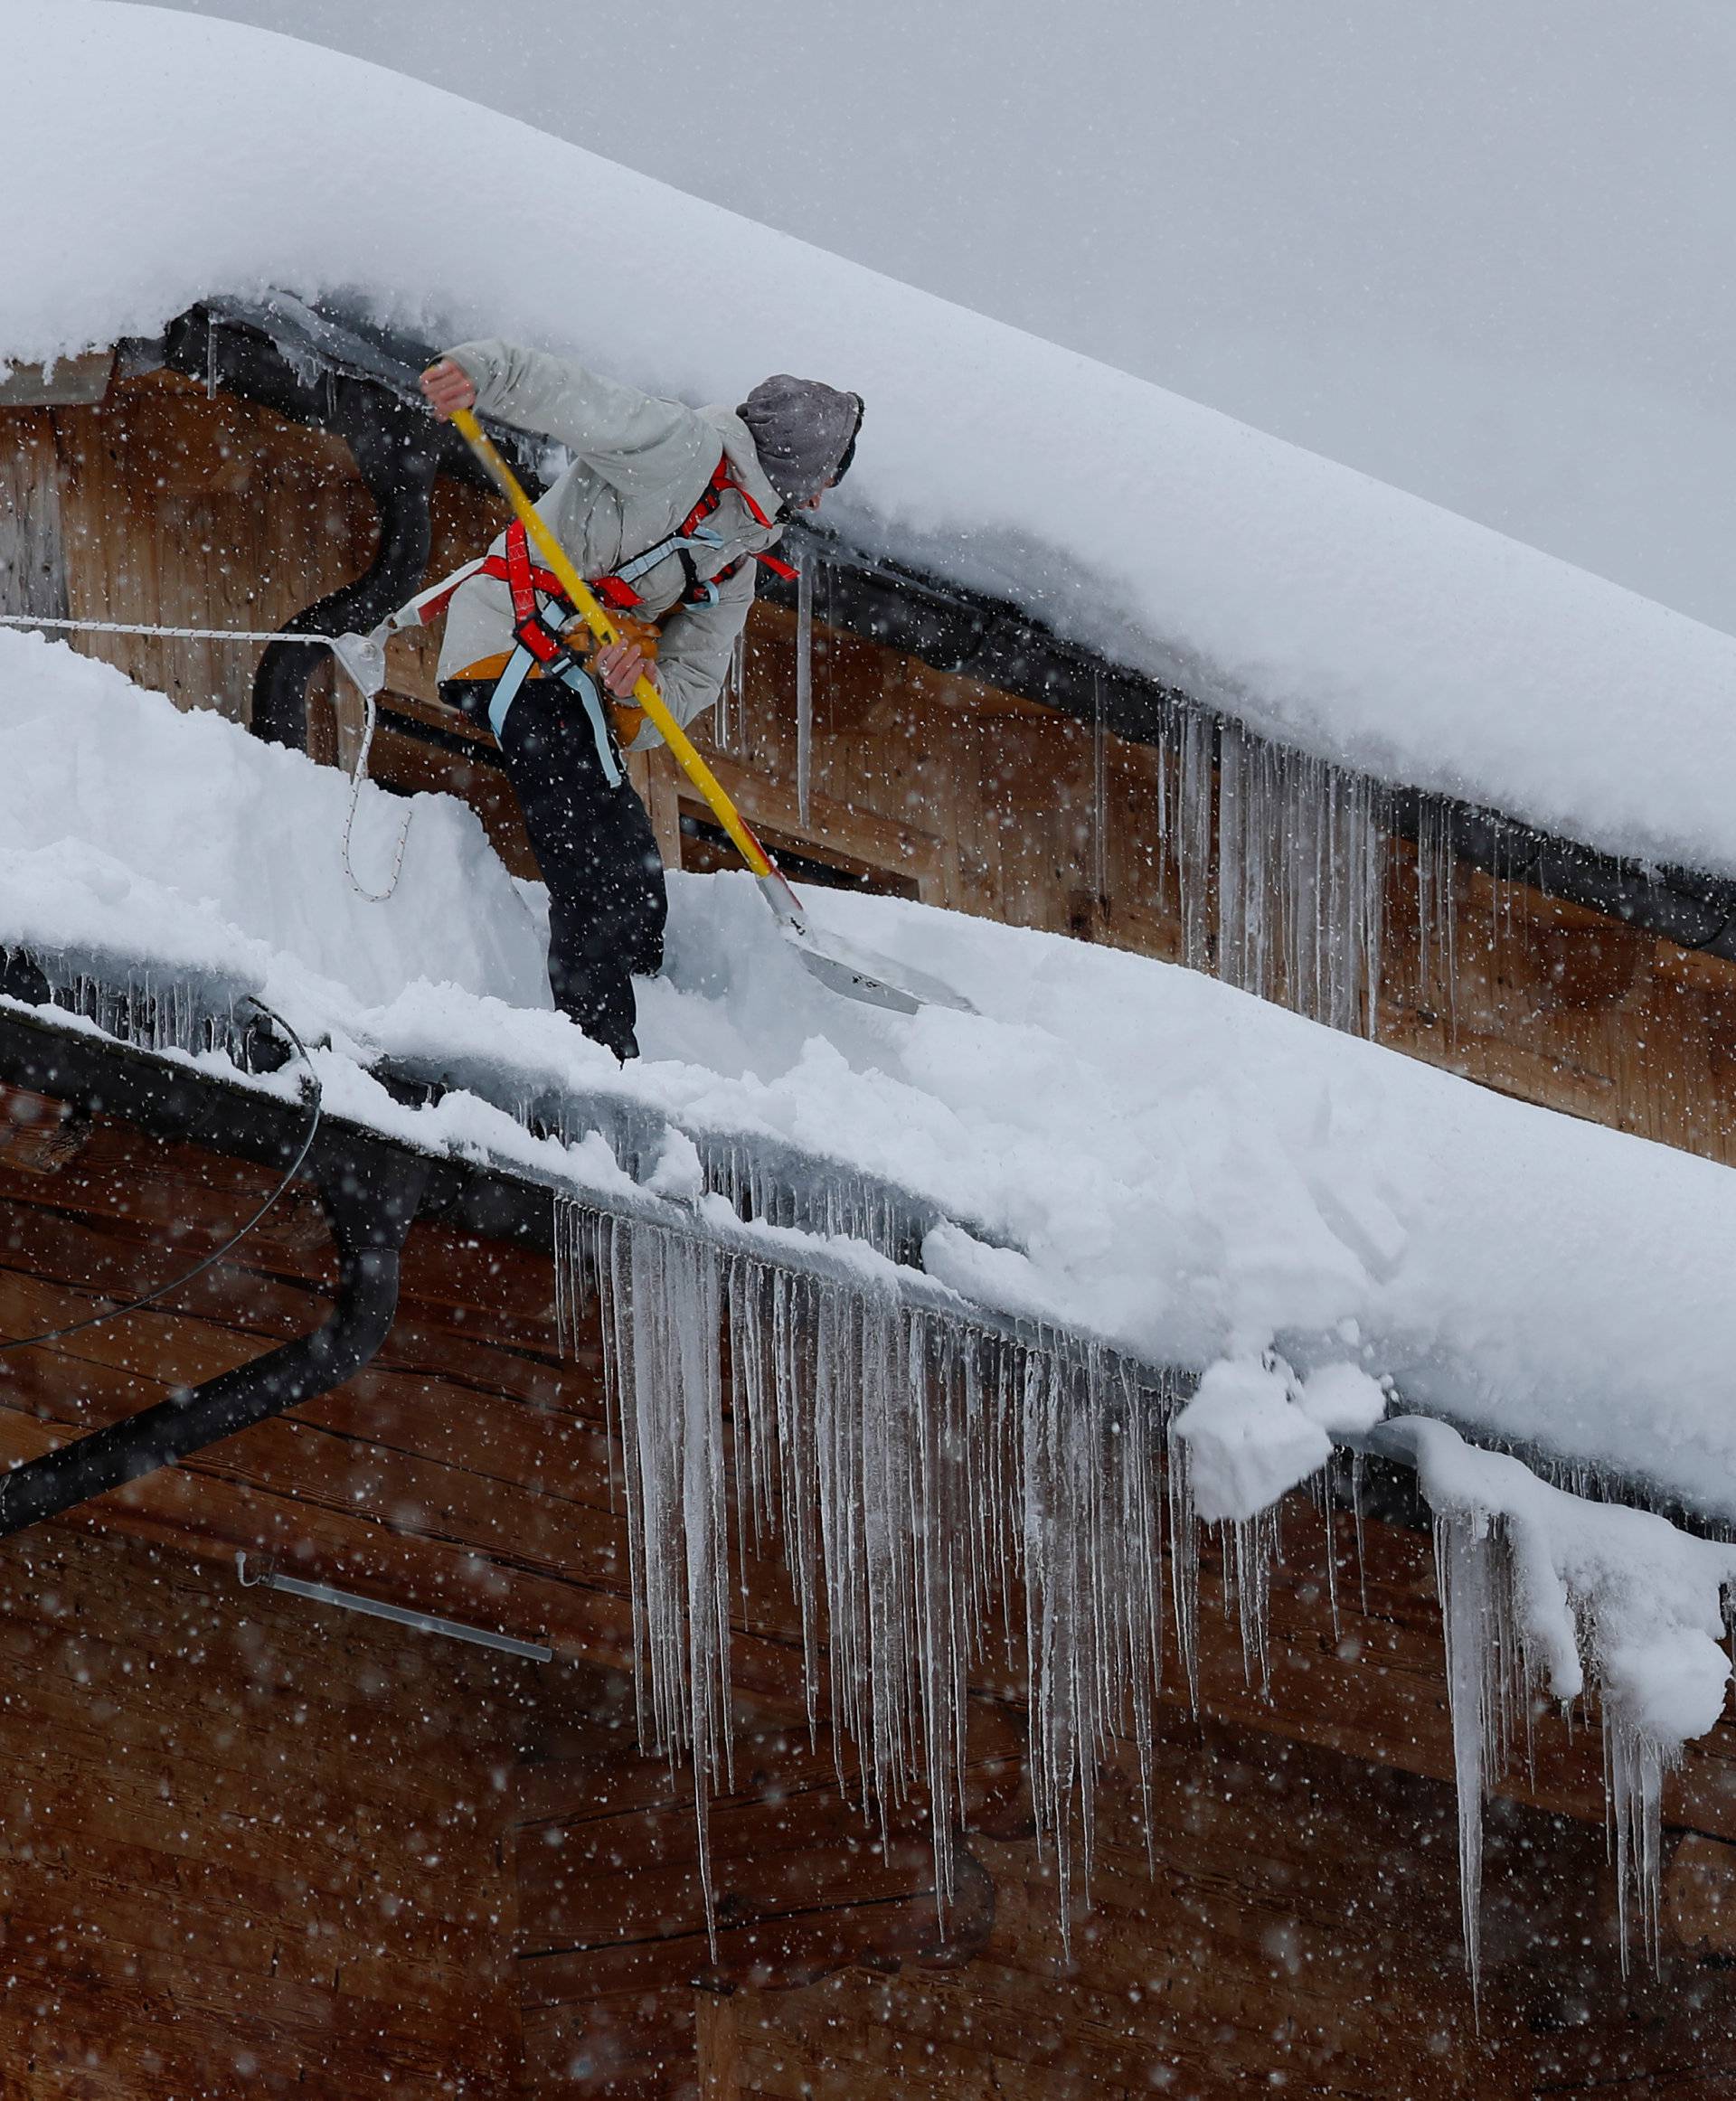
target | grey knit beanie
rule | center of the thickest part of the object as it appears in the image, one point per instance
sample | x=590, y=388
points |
x=803, y=431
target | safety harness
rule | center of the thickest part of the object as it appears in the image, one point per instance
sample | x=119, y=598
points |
x=543, y=613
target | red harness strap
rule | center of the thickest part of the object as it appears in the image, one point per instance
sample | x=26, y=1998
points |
x=721, y=481
x=525, y=579
x=616, y=591
x=771, y=562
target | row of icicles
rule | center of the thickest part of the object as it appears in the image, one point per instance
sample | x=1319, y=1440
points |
x=947, y=1497
x=1275, y=860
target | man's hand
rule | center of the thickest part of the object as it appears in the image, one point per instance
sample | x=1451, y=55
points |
x=621, y=665
x=449, y=386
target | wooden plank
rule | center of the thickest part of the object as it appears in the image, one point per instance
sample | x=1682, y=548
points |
x=717, y=2047
x=82, y=379
x=142, y=1196
x=628, y=2047
x=269, y=540
x=33, y=554
x=660, y=783
x=404, y=761
x=1288, y=1938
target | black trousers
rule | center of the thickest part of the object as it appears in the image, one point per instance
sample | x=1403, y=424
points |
x=594, y=849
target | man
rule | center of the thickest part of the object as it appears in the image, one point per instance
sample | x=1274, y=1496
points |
x=664, y=511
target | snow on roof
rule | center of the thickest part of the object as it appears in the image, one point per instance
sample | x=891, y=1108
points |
x=1123, y=1148
x=1321, y=606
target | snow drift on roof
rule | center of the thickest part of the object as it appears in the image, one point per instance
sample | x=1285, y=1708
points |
x=1128, y=1150
x=1321, y=606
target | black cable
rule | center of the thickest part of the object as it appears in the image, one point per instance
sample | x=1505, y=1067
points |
x=234, y=1240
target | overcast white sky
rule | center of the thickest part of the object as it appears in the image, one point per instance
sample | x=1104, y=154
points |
x=1480, y=248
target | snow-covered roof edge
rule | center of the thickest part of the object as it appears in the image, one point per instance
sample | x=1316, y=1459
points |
x=1319, y=607
x=955, y=629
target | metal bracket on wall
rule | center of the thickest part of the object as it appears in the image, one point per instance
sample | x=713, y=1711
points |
x=425, y=1622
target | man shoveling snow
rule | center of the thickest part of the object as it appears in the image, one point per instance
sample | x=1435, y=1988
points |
x=664, y=511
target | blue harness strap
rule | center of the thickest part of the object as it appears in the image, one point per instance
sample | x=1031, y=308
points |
x=576, y=681
x=500, y=701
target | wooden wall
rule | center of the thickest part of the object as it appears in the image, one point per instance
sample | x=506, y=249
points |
x=170, y=1798
x=245, y=1847
x=1298, y=1935
x=250, y=518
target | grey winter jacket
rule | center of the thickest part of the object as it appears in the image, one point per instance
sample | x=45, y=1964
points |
x=639, y=467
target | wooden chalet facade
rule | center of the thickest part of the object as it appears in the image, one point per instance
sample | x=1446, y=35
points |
x=251, y=1845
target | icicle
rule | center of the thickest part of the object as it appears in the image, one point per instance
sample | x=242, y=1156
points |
x=1428, y=900
x=1372, y=818
x=804, y=688
x=1358, y=1482
x=729, y=716
x=660, y=1328
x=918, y=1469
x=1633, y=1767
x=1300, y=874
x=570, y=1221
x=1255, y=1546
x=134, y=1005
x=1163, y=848
x=834, y=1201
x=1234, y=796
x=1145, y=1418
x=1099, y=796
x=1194, y=841
x=1326, y=1501
x=1091, y=1557
x=1185, y=1569
x=1467, y=1616
x=1437, y=913
x=1543, y=1586
x=1300, y=881
x=1491, y=1678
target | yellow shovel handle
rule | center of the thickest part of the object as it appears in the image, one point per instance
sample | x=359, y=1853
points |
x=591, y=612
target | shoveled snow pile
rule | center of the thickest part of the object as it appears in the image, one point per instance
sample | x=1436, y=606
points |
x=1126, y=1149
x=1252, y=1431
x=1324, y=607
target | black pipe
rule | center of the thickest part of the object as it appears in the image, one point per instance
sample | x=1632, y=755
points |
x=396, y=449
x=371, y=1204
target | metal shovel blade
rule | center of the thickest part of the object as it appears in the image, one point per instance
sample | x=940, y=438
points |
x=860, y=974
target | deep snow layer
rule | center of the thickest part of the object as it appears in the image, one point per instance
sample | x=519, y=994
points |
x=1170, y=1165
x=1363, y=624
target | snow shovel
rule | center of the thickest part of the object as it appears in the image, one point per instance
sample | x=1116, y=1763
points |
x=858, y=973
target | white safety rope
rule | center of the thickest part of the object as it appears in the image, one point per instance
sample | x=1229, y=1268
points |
x=255, y=635
x=176, y=633
x=373, y=897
